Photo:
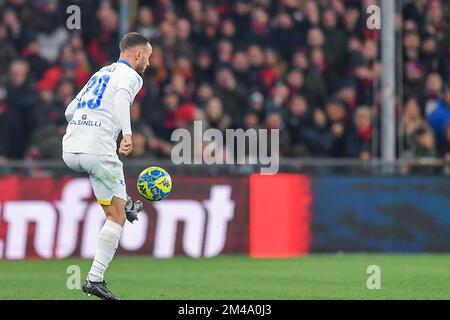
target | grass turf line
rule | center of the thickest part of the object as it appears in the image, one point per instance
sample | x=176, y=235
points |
x=238, y=277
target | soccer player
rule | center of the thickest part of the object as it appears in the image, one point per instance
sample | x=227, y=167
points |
x=95, y=117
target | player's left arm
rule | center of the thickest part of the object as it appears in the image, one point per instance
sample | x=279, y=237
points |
x=125, y=94
x=122, y=104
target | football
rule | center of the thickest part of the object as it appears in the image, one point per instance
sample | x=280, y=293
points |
x=154, y=184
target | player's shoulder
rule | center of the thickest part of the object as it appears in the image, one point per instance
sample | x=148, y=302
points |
x=109, y=68
x=126, y=70
x=126, y=78
x=127, y=74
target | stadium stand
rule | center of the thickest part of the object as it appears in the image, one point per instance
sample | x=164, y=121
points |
x=309, y=68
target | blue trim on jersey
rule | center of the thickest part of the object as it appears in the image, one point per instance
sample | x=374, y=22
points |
x=124, y=62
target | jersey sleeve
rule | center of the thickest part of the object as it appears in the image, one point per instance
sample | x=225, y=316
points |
x=122, y=104
x=70, y=110
x=130, y=84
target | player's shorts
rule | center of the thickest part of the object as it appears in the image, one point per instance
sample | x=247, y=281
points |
x=105, y=173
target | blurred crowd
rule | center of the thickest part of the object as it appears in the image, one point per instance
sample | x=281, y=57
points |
x=310, y=68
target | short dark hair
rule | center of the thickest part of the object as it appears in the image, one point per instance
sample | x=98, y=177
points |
x=132, y=39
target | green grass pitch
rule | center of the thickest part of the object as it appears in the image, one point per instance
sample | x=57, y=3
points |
x=238, y=277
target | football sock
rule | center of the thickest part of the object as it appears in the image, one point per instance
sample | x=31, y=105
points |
x=108, y=241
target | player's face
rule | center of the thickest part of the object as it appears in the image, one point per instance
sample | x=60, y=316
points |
x=144, y=59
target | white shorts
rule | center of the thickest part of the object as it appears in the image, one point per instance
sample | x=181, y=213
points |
x=105, y=173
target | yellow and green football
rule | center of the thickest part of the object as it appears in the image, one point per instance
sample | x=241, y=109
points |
x=154, y=184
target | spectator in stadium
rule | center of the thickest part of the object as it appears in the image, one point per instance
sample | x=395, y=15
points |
x=154, y=146
x=351, y=17
x=227, y=90
x=346, y=93
x=274, y=120
x=335, y=40
x=411, y=45
x=441, y=116
x=295, y=82
x=204, y=72
x=240, y=65
x=337, y=118
x=359, y=139
x=21, y=99
x=215, y=116
x=46, y=108
x=415, y=10
x=185, y=116
x=145, y=24
x=31, y=53
x=49, y=25
x=183, y=66
x=210, y=24
x=182, y=88
x=251, y=120
x=315, y=88
x=279, y=98
x=432, y=94
x=414, y=79
x=259, y=28
x=298, y=119
x=284, y=35
x=66, y=68
x=46, y=142
x=184, y=45
x=423, y=143
x=256, y=103
x=137, y=122
x=103, y=48
x=224, y=51
x=158, y=71
x=432, y=58
x=169, y=104
x=364, y=64
x=271, y=70
x=410, y=122
x=203, y=95
x=140, y=150
x=228, y=30
x=7, y=48
x=317, y=136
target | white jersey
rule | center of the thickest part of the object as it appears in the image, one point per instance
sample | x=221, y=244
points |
x=94, y=122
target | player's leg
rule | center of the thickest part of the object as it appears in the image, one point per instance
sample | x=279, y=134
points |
x=108, y=238
x=72, y=160
x=108, y=182
x=107, y=243
x=106, y=177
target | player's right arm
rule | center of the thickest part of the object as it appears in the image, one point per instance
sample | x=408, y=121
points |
x=70, y=111
x=73, y=106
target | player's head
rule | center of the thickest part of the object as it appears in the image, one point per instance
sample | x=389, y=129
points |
x=136, y=49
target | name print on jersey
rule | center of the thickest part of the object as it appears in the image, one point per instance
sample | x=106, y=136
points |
x=84, y=122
